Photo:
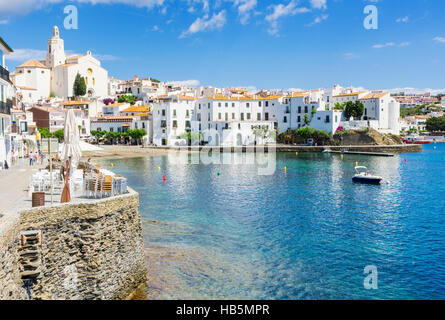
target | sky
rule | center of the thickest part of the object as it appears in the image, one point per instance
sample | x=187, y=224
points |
x=264, y=44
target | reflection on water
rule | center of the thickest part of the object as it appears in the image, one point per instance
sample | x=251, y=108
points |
x=304, y=233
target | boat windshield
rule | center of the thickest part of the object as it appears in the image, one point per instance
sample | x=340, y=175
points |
x=361, y=170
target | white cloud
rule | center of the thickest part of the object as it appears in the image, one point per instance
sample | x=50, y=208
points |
x=319, y=4
x=22, y=55
x=4, y=21
x=279, y=11
x=439, y=39
x=105, y=57
x=319, y=19
x=188, y=83
x=217, y=21
x=245, y=8
x=391, y=44
x=385, y=45
x=26, y=6
x=350, y=56
x=404, y=19
x=409, y=90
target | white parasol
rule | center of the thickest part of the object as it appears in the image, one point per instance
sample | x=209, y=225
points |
x=71, y=147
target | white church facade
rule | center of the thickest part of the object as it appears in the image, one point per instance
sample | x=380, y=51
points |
x=61, y=72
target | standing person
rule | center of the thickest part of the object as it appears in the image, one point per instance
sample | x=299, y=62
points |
x=30, y=158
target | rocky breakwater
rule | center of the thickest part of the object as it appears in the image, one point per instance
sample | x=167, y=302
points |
x=88, y=250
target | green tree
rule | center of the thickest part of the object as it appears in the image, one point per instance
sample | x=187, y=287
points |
x=136, y=134
x=306, y=119
x=349, y=109
x=59, y=134
x=262, y=132
x=354, y=109
x=127, y=98
x=359, y=109
x=44, y=133
x=79, y=86
x=301, y=135
x=435, y=124
x=98, y=134
x=339, y=106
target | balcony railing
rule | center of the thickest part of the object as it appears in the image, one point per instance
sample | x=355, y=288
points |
x=5, y=107
x=4, y=74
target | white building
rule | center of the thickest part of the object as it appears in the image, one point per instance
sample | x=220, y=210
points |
x=6, y=94
x=56, y=74
x=32, y=78
x=172, y=118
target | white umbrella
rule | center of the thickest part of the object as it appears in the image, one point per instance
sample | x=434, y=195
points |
x=71, y=147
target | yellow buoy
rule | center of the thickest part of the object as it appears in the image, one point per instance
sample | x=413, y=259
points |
x=341, y=156
x=159, y=168
x=296, y=153
x=356, y=164
x=285, y=168
x=112, y=164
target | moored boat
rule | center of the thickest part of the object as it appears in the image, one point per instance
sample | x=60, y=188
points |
x=362, y=175
x=415, y=140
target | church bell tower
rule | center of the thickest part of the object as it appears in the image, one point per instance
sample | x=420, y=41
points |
x=56, y=50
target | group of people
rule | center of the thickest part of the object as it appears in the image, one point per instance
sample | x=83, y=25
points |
x=36, y=157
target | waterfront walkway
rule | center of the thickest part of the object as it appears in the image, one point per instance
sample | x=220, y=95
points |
x=14, y=184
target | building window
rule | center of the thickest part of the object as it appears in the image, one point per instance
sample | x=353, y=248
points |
x=299, y=109
x=248, y=116
x=175, y=124
x=242, y=116
x=247, y=105
x=227, y=116
x=219, y=116
x=163, y=112
x=226, y=104
x=233, y=115
x=233, y=104
x=267, y=103
x=266, y=116
x=299, y=119
x=258, y=116
x=219, y=104
x=305, y=109
x=285, y=119
x=259, y=103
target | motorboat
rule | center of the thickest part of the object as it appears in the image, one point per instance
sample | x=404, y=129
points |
x=415, y=140
x=362, y=175
x=327, y=151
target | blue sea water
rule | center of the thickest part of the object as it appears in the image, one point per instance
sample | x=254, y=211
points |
x=304, y=233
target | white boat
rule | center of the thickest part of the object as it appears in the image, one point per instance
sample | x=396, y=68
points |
x=326, y=151
x=362, y=175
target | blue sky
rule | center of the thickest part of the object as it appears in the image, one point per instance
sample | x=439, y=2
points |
x=259, y=43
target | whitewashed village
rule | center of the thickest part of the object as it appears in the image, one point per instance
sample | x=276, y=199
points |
x=36, y=96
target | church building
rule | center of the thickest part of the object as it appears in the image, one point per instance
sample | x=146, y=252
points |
x=63, y=70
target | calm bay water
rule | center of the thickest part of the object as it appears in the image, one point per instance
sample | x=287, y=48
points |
x=306, y=233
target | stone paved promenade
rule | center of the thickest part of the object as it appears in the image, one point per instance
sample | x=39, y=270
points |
x=14, y=185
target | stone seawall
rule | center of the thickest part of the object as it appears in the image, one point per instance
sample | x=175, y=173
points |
x=92, y=250
x=298, y=148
